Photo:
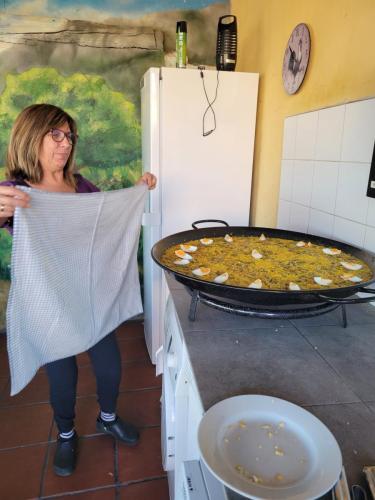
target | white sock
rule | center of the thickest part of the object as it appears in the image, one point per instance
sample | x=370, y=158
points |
x=67, y=435
x=107, y=417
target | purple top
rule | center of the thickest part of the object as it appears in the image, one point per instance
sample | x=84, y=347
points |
x=82, y=186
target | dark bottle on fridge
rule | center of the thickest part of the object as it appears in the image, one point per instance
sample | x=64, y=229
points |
x=226, y=46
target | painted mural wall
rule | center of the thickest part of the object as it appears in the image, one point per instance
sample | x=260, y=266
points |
x=88, y=56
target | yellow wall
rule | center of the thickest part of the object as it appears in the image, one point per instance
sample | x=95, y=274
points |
x=341, y=69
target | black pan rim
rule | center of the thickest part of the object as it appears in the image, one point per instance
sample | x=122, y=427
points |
x=253, y=230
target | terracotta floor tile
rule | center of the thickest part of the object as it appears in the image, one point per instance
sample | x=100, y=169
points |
x=143, y=371
x=4, y=365
x=139, y=375
x=95, y=467
x=20, y=425
x=87, y=410
x=142, y=408
x=3, y=383
x=101, y=494
x=3, y=341
x=86, y=381
x=130, y=329
x=83, y=359
x=133, y=349
x=21, y=471
x=156, y=489
x=37, y=391
x=142, y=461
x=135, y=375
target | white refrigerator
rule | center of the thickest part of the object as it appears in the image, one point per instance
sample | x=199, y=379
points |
x=202, y=155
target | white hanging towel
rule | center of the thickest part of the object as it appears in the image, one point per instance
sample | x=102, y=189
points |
x=74, y=275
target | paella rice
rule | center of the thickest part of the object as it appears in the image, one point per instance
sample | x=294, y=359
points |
x=270, y=263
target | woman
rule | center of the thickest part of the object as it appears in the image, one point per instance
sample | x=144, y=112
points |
x=41, y=155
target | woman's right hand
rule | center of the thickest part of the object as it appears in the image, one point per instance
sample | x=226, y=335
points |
x=10, y=198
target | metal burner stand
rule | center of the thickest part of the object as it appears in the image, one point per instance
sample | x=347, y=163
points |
x=263, y=312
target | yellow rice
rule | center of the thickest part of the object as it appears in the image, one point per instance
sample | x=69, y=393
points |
x=282, y=262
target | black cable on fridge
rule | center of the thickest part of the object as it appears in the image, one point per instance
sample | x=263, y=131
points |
x=209, y=107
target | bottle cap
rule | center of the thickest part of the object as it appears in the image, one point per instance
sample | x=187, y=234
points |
x=181, y=26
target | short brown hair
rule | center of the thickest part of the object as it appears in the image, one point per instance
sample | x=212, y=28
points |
x=28, y=131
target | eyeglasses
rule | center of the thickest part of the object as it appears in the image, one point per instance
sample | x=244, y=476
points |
x=58, y=135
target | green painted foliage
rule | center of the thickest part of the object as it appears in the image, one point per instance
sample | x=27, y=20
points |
x=109, y=131
x=5, y=253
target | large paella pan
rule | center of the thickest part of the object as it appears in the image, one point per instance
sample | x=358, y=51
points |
x=170, y=251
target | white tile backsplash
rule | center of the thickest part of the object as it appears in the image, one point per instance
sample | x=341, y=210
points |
x=370, y=239
x=349, y=231
x=286, y=180
x=351, y=200
x=306, y=136
x=299, y=218
x=283, y=216
x=289, y=138
x=329, y=133
x=302, y=182
x=324, y=188
x=359, y=131
x=324, y=173
x=321, y=223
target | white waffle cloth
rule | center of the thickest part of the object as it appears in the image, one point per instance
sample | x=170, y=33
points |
x=74, y=275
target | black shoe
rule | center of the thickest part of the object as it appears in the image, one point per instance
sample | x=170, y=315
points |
x=65, y=459
x=120, y=430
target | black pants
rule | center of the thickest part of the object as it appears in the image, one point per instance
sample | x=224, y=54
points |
x=63, y=375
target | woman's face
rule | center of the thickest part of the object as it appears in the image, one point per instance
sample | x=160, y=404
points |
x=53, y=155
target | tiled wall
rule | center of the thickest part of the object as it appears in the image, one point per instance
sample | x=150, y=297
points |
x=324, y=173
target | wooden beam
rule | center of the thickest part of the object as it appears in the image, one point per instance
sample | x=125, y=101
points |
x=29, y=30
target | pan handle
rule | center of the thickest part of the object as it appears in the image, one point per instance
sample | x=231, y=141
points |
x=359, y=300
x=194, y=224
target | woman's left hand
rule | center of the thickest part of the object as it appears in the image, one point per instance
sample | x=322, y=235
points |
x=148, y=179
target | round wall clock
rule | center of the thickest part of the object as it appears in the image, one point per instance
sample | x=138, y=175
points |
x=296, y=58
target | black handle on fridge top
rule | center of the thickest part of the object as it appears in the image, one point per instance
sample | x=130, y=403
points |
x=371, y=181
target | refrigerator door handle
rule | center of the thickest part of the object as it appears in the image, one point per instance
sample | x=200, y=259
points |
x=151, y=219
